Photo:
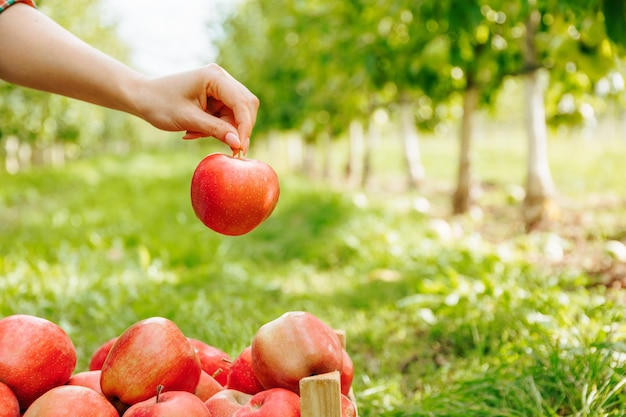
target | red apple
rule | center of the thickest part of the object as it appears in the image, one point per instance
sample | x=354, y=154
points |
x=347, y=407
x=241, y=376
x=100, y=354
x=347, y=373
x=170, y=404
x=36, y=355
x=226, y=402
x=207, y=387
x=293, y=346
x=149, y=353
x=89, y=379
x=273, y=402
x=9, y=407
x=71, y=400
x=213, y=360
x=233, y=195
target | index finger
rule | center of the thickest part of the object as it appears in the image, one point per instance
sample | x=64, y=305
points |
x=238, y=98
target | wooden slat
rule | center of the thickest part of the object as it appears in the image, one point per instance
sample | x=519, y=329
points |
x=320, y=395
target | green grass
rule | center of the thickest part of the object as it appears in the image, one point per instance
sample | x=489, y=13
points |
x=438, y=324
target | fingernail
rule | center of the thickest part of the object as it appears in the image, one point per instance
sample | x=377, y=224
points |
x=232, y=140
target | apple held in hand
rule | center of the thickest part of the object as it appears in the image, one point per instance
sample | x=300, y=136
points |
x=170, y=404
x=233, y=195
x=149, y=353
x=71, y=400
x=294, y=346
x=36, y=355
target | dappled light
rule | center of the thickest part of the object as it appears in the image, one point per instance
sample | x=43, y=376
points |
x=451, y=195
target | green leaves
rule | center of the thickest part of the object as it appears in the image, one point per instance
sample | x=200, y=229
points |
x=615, y=17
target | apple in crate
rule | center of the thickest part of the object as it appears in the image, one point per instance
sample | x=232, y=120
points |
x=9, y=407
x=89, y=379
x=100, y=354
x=169, y=404
x=294, y=346
x=274, y=402
x=213, y=360
x=226, y=402
x=347, y=373
x=149, y=353
x=207, y=386
x=71, y=400
x=241, y=376
x=232, y=195
x=347, y=407
x=36, y=355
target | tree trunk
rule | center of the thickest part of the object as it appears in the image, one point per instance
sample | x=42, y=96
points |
x=308, y=159
x=355, y=151
x=462, y=198
x=410, y=139
x=325, y=140
x=373, y=135
x=539, y=206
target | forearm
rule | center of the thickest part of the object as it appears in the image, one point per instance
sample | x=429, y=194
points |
x=36, y=52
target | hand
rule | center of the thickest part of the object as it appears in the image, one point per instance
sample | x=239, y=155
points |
x=203, y=102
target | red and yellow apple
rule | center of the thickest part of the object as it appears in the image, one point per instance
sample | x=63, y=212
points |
x=9, y=407
x=241, y=376
x=149, y=353
x=347, y=373
x=89, y=379
x=100, y=354
x=36, y=355
x=71, y=400
x=232, y=195
x=213, y=360
x=294, y=346
x=347, y=407
x=170, y=404
x=207, y=386
x=273, y=402
x=226, y=402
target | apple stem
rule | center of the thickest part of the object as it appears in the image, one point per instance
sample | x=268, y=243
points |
x=238, y=153
x=159, y=389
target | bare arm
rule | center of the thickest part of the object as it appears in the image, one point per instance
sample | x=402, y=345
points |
x=38, y=53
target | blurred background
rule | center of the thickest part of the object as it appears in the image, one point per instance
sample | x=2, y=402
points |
x=452, y=194
x=345, y=78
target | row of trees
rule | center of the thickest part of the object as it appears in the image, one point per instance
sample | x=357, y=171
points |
x=321, y=66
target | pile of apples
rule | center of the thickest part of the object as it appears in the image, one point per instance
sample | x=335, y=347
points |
x=153, y=370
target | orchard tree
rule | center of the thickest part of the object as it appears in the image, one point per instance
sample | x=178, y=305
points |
x=564, y=41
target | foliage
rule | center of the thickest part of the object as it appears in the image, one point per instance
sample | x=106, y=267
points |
x=440, y=319
x=327, y=63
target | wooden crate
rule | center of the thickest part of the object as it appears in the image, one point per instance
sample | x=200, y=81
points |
x=320, y=395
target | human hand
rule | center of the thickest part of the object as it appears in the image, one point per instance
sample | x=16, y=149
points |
x=203, y=102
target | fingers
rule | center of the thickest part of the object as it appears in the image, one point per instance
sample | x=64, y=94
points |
x=242, y=104
x=205, y=125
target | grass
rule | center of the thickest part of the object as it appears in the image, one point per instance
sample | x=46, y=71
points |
x=441, y=321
